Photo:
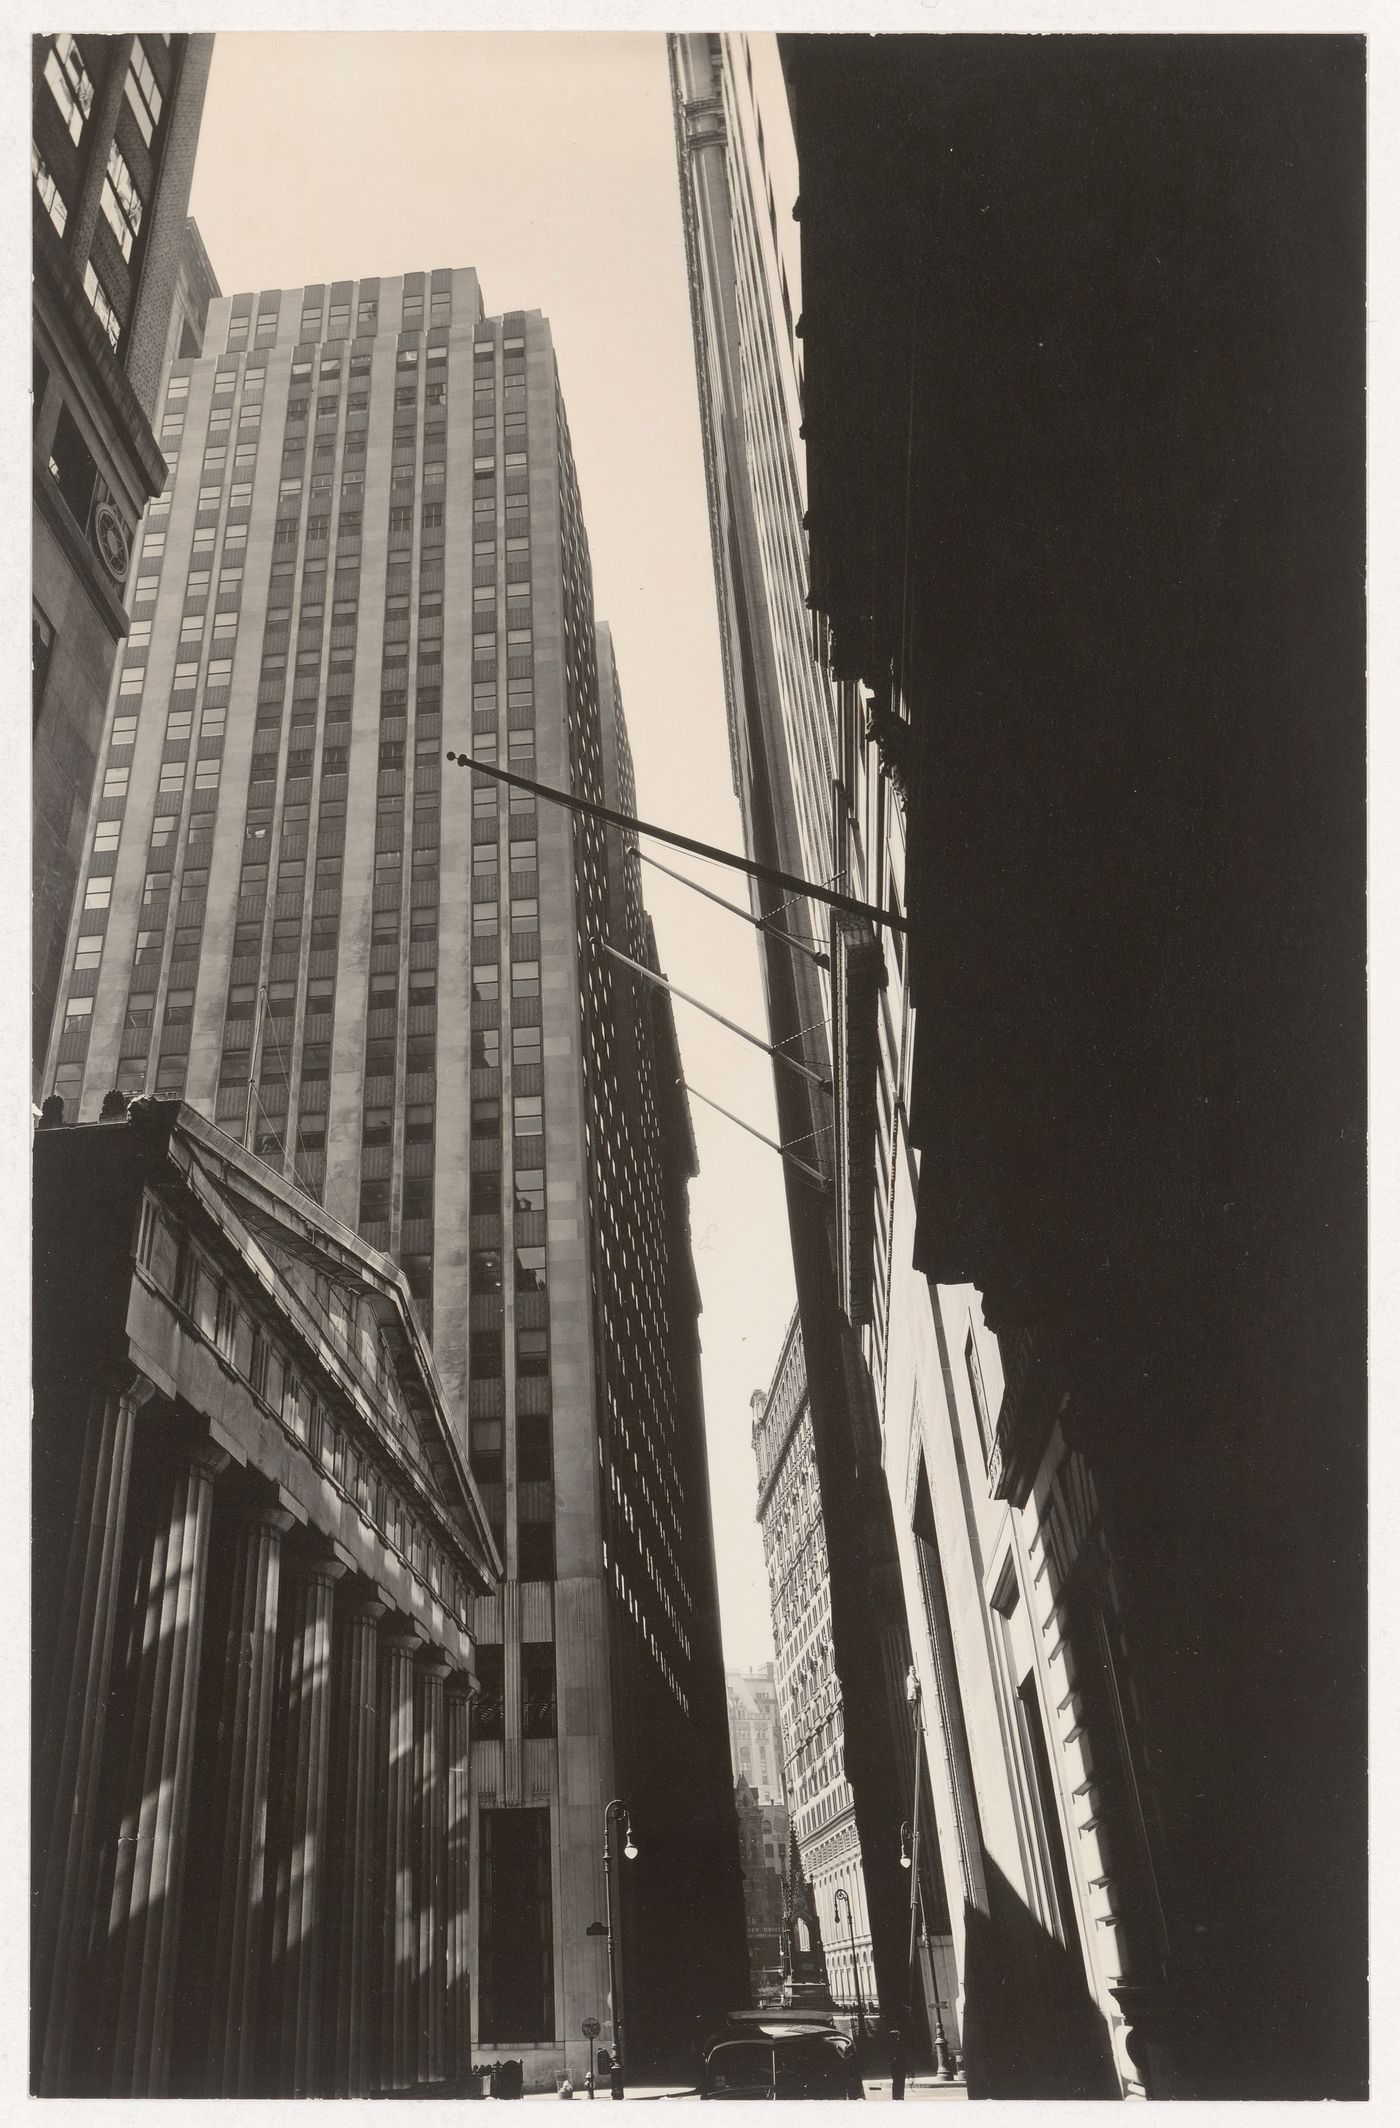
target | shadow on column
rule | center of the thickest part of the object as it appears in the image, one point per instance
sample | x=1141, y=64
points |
x=1030, y=2027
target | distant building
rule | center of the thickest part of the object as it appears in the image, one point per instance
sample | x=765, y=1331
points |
x=115, y=124
x=755, y=1733
x=763, y=1846
x=372, y=549
x=811, y=1702
x=257, y=1547
x=804, y=1953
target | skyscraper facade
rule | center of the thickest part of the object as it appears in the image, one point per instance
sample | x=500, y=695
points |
x=115, y=124
x=370, y=547
x=1020, y=585
x=1022, y=1762
x=743, y=267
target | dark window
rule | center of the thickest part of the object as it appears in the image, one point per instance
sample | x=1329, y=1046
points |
x=530, y=1275
x=488, y=1715
x=486, y=1271
x=979, y=1392
x=537, y=1551
x=517, y=1932
x=532, y=1446
x=532, y=1353
x=486, y=1355
x=537, y=1688
x=73, y=466
x=529, y=1189
x=41, y=649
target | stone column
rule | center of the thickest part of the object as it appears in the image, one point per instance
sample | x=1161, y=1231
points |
x=299, y=1877
x=143, y=1930
x=245, y=1749
x=431, y=1796
x=353, y=1973
x=398, y=2051
x=69, y=1769
x=458, y=2043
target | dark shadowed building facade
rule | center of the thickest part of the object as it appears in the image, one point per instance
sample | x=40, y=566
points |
x=782, y=753
x=256, y=1549
x=1082, y=322
x=763, y=1845
x=115, y=124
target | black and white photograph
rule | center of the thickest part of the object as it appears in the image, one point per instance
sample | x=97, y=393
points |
x=690, y=1371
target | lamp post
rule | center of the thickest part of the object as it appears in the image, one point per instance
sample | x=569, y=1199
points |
x=909, y=1859
x=617, y=1808
x=843, y=1898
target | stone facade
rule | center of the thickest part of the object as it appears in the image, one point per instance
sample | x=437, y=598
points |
x=115, y=113
x=742, y=263
x=257, y=1546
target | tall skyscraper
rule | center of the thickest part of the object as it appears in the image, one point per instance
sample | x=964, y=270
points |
x=1101, y=970
x=371, y=548
x=115, y=123
x=742, y=261
x=1005, y=1921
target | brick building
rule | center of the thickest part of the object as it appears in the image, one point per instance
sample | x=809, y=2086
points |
x=115, y=124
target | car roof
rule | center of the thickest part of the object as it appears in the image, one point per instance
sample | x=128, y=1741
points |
x=761, y=2025
x=781, y=2013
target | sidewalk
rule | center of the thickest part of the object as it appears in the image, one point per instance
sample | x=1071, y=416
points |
x=634, y=2091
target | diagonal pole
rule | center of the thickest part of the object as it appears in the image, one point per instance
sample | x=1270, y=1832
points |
x=764, y=924
x=772, y=1143
x=650, y=975
x=846, y=903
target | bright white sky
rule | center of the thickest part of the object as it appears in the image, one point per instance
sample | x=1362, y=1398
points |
x=547, y=162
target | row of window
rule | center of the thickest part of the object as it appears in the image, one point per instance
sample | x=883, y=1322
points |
x=416, y=1194
x=333, y=322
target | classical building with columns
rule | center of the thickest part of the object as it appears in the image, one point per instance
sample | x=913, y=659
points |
x=256, y=1546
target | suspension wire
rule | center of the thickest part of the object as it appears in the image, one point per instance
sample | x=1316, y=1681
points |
x=823, y=1130
x=828, y=882
x=759, y=923
x=650, y=975
x=772, y=1143
x=810, y=1028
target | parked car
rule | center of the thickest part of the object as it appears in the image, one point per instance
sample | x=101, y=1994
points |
x=780, y=2054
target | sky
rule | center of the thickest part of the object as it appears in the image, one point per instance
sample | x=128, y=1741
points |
x=548, y=163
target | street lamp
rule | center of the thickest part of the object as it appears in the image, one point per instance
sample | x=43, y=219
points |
x=617, y=1808
x=909, y=1859
x=843, y=1897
